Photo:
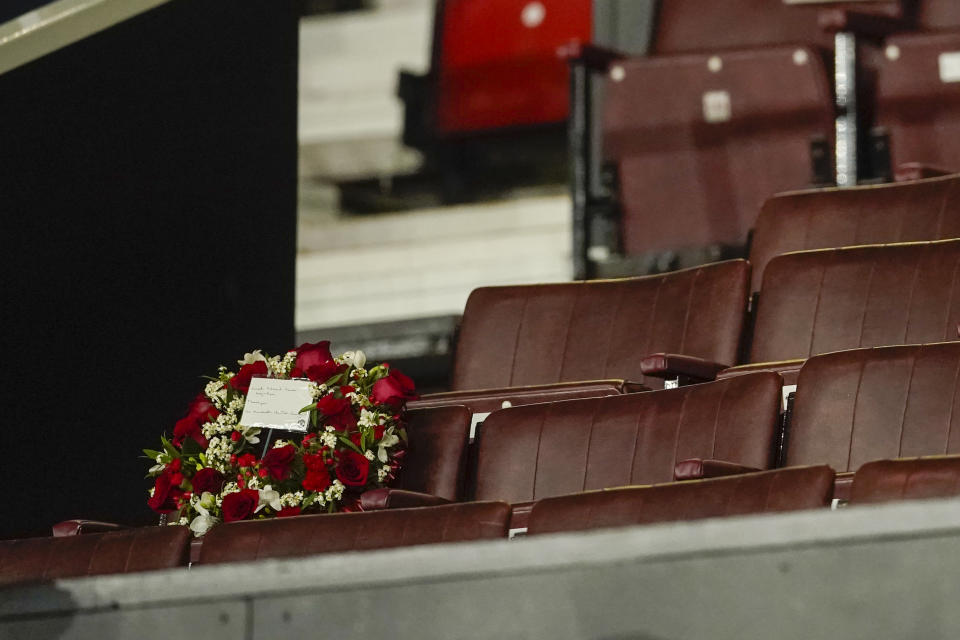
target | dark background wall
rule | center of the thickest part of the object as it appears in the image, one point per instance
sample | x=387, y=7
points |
x=10, y=9
x=148, y=206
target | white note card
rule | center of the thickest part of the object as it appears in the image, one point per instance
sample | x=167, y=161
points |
x=276, y=404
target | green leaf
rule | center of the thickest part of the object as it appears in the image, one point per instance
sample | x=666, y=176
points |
x=309, y=407
x=190, y=447
x=349, y=444
x=151, y=453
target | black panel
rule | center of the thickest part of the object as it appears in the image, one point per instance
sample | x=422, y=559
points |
x=148, y=199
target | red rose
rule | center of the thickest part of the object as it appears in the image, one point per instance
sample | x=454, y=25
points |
x=165, y=494
x=378, y=431
x=313, y=461
x=207, y=479
x=317, y=479
x=286, y=512
x=337, y=412
x=278, y=460
x=310, y=355
x=201, y=411
x=239, y=505
x=247, y=460
x=352, y=469
x=394, y=390
x=241, y=381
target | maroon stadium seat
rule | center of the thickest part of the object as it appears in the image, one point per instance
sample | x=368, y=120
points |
x=127, y=551
x=906, y=479
x=766, y=492
x=860, y=405
x=825, y=218
x=540, y=451
x=815, y=302
x=525, y=344
x=341, y=532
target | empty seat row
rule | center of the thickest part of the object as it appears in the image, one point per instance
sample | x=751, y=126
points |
x=156, y=548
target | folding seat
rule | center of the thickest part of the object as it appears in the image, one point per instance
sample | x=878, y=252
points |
x=535, y=343
x=917, y=103
x=814, y=302
x=735, y=106
x=537, y=451
x=127, y=551
x=341, y=532
x=906, y=479
x=825, y=218
x=860, y=405
x=752, y=493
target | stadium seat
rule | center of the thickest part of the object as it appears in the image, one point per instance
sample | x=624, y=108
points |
x=341, y=532
x=539, y=451
x=826, y=218
x=917, y=103
x=523, y=344
x=766, y=492
x=127, y=551
x=860, y=405
x=814, y=302
x=907, y=479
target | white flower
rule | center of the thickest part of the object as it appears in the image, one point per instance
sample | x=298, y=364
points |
x=368, y=454
x=355, y=358
x=389, y=440
x=268, y=497
x=202, y=523
x=250, y=358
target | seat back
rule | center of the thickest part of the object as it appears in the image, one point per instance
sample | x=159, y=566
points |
x=701, y=140
x=870, y=404
x=938, y=15
x=541, y=334
x=340, y=532
x=496, y=64
x=694, y=25
x=539, y=451
x=914, y=479
x=436, y=451
x=767, y=492
x=814, y=302
x=825, y=218
x=918, y=97
x=126, y=551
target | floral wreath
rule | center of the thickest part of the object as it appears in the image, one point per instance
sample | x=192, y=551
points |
x=210, y=471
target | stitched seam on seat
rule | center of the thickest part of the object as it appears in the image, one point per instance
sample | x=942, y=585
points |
x=953, y=403
x=953, y=284
x=913, y=287
x=259, y=544
x=906, y=403
x=676, y=442
x=943, y=207
x=636, y=437
x=653, y=316
x=536, y=458
x=586, y=465
x=686, y=315
x=93, y=555
x=566, y=337
x=866, y=301
x=816, y=307
x=853, y=418
x=446, y=525
x=130, y=547
x=516, y=341
x=613, y=324
x=766, y=499
x=906, y=483
x=716, y=420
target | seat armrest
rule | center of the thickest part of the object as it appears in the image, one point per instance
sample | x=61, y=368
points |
x=700, y=469
x=386, y=498
x=80, y=527
x=672, y=365
x=917, y=171
x=486, y=400
x=593, y=56
x=859, y=22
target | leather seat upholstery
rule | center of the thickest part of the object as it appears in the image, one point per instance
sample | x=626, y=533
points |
x=126, y=551
x=911, y=479
x=856, y=406
x=540, y=451
x=815, y=302
x=436, y=452
x=341, y=532
x=766, y=492
x=595, y=330
x=826, y=218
